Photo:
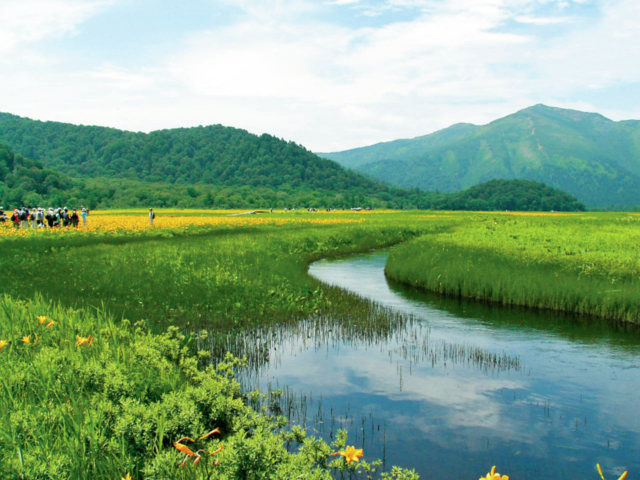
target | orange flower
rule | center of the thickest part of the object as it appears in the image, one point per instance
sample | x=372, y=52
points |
x=186, y=450
x=622, y=477
x=492, y=475
x=215, y=430
x=88, y=340
x=42, y=319
x=51, y=324
x=218, y=450
x=3, y=343
x=27, y=339
x=351, y=454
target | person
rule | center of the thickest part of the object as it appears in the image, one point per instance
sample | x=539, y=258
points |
x=74, y=219
x=151, y=216
x=34, y=218
x=65, y=217
x=15, y=218
x=40, y=217
x=23, y=217
x=83, y=214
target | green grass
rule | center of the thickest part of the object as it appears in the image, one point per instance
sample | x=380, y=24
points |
x=114, y=407
x=585, y=264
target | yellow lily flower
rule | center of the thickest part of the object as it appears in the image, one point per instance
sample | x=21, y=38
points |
x=622, y=477
x=128, y=477
x=51, y=324
x=27, y=339
x=350, y=454
x=492, y=475
x=88, y=340
x=3, y=343
x=42, y=319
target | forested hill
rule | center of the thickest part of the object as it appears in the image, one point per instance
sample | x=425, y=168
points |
x=26, y=182
x=210, y=167
x=510, y=195
x=213, y=155
x=585, y=154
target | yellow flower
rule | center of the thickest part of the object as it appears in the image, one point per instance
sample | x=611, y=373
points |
x=42, y=319
x=128, y=477
x=622, y=477
x=351, y=454
x=3, y=343
x=51, y=324
x=27, y=339
x=492, y=475
x=88, y=340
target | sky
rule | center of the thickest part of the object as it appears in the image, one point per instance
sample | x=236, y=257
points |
x=327, y=74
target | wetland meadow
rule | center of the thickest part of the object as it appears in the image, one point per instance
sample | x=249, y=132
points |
x=279, y=345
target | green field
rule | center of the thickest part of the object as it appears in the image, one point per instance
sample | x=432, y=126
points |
x=159, y=303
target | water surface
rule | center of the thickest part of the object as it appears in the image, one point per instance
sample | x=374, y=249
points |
x=466, y=385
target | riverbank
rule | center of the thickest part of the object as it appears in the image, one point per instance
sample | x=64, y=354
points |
x=584, y=264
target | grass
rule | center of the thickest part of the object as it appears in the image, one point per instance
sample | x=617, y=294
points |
x=584, y=264
x=151, y=376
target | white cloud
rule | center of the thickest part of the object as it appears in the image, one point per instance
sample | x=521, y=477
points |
x=27, y=21
x=283, y=69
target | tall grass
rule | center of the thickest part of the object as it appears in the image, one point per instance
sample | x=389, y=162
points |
x=585, y=264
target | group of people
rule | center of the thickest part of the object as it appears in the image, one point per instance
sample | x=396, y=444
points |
x=27, y=217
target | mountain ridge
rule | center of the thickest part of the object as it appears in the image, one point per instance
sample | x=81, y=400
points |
x=582, y=153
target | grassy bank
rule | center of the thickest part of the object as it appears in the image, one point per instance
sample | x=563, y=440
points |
x=585, y=264
x=85, y=396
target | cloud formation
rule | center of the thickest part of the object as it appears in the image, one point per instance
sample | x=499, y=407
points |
x=330, y=75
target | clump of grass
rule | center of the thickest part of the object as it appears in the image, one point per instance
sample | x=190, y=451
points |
x=578, y=264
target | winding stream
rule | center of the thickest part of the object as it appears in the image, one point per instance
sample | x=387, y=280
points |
x=465, y=386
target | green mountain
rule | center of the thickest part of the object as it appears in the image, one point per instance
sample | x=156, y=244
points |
x=218, y=166
x=513, y=195
x=585, y=154
x=212, y=167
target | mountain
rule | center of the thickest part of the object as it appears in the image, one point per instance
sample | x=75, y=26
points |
x=584, y=154
x=214, y=167
x=209, y=162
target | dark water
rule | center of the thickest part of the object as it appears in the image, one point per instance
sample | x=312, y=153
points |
x=466, y=385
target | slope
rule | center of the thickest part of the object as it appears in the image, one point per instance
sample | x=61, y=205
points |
x=584, y=154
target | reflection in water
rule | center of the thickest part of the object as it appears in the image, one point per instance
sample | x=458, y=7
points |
x=452, y=387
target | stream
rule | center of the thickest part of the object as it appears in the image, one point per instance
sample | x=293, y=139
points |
x=464, y=385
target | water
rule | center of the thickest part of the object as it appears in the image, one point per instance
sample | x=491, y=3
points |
x=463, y=385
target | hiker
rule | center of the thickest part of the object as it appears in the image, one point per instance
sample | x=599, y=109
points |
x=65, y=217
x=83, y=214
x=23, y=217
x=151, y=216
x=40, y=217
x=15, y=218
x=34, y=218
x=74, y=219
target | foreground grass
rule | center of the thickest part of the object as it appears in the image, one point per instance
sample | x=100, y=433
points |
x=585, y=264
x=85, y=396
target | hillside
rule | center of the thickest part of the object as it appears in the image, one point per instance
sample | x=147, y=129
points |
x=208, y=167
x=26, y=182
x=584, y=154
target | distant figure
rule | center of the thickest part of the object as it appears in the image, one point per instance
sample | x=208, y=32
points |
x=151, y=216
x=83, y=214
x=74, y=219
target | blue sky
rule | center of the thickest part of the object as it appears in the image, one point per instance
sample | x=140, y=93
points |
x=328, y=74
